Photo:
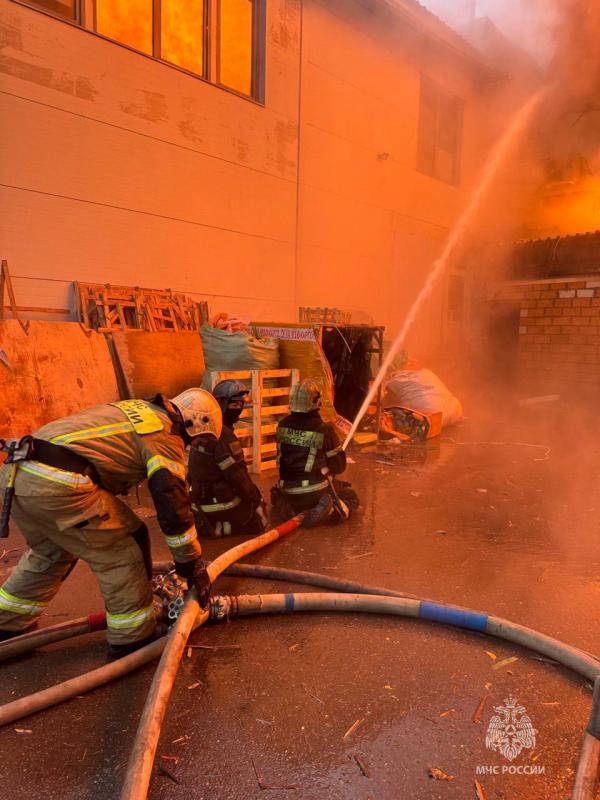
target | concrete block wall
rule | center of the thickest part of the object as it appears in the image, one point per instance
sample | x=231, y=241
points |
x=559, y=334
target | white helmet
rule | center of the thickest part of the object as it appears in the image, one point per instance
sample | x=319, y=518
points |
x=200, y=412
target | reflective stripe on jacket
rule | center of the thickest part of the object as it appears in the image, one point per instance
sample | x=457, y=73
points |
x=128, y=442
x=306, y=445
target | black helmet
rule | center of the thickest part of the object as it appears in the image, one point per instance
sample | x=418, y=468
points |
x=226, y=391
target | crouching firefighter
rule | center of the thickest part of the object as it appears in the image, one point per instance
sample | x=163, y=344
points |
x=65, y=479
x=224, y=498
x=309, y=456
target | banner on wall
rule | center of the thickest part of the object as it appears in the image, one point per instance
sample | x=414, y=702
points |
x=296, y=334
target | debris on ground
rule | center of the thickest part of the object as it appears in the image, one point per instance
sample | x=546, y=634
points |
x=448, y=712
x=505, y=662
x=353, y=728
x=168, y=774
x=312, y=694
x=439, y=774
x=489, y=653
x=479, y=710
x=261, y=780
x=363, y=767
x=194, y=685
x=23, y=730
x=215, y=647
x=479, y=791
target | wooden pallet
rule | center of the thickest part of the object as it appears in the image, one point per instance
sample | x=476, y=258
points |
x=324, y=316
x=269, y=403
x=108, y=308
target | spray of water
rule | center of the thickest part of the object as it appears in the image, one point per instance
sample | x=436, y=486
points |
x=498, y=157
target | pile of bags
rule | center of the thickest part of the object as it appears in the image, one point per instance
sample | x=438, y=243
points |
x=421, y=390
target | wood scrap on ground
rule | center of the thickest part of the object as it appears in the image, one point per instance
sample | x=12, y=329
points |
x=439, y=774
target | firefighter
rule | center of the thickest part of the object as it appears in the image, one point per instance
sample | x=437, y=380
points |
x=66, y=507
x=224, y=498
x=309, y=456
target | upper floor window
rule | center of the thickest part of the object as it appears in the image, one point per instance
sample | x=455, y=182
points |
x=220, y=40
x=67, y=9
x=440, y=132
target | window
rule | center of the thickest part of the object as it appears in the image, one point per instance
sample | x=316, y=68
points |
x=172, y=30
x=67, y=9
x=127, y=21
x=235, y=44
x=440, y=132
x=221, y=40
x=182, y=33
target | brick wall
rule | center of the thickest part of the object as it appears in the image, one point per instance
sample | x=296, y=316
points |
x=559, y=334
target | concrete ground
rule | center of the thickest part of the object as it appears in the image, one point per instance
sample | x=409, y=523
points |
x=496, y=526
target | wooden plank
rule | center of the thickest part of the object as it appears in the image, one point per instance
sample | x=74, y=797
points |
x=267, y=411
x=256, y=418
x=266, y=465
x=267, y=429
x=39, y=310
x=2, y=282
x=276, y=391
x=275, y=373
x=163, y=361
x=269, y=447
x=57, y=369
x=235, y=375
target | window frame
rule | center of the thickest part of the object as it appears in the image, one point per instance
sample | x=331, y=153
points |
x=76, y=20
x=85, y=20
x=156, y=55
x=441, y=93
x=258, y=60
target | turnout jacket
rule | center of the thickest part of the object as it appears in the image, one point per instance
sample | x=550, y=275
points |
x=306, y=444
x=125, y=443
x=218, y=475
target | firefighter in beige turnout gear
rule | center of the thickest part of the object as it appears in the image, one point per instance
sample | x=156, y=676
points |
x=65, y=506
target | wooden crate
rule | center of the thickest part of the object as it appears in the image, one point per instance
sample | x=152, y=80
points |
x=109, y=308
x=269, y=389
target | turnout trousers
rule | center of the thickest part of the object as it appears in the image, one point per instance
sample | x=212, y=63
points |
x=64, y=516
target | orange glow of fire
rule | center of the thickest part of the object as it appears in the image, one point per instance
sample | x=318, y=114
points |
x=235, y=44
x=126, y=21
x=182, y=27
x=569, y=208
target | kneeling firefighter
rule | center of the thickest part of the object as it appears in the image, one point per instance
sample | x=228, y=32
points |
x=66, y=478
x=309, y=455
x=224, y=498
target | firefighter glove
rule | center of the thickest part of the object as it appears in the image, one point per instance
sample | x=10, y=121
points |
x=197, y=578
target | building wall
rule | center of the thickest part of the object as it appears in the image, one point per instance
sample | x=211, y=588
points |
x=559, y=334
x=115, y=168
x=371, y=225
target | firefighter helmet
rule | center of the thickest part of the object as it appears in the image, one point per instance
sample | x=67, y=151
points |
x=305, y=396
x=200, y=412
x=226, y=391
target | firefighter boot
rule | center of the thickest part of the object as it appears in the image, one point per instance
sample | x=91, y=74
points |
x=319, y=513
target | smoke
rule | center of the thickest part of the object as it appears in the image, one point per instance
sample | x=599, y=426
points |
x=528, y=24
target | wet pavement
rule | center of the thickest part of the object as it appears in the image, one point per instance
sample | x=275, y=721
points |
x=494, y=525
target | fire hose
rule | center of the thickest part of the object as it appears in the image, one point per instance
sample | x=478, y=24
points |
x=377, y=601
